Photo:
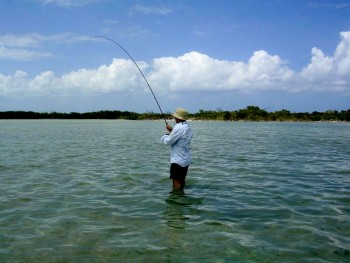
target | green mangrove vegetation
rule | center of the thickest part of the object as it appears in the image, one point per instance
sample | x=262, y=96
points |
x=250, y=113
x=254, y=113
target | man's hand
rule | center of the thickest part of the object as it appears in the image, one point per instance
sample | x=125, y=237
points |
x=169, y=128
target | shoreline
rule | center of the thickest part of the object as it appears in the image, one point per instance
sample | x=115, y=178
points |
x=249, y=114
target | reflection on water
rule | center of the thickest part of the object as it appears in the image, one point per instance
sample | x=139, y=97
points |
x=179, y=208
x=175, y=211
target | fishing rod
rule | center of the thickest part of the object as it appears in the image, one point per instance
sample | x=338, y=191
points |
x=149, y=86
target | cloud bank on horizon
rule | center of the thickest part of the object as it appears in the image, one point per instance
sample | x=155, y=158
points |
x=192, y=71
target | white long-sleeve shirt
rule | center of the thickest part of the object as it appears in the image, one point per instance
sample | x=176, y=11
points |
x=179, y=139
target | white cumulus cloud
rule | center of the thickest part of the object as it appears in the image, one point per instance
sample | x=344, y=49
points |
x=321, y=66
x=199, y=71
x=329, y=72
x=195, y=71
x=120, y=75
x=15, y=83
x=342, y=56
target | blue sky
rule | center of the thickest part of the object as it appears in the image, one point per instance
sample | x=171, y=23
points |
x=197, y=54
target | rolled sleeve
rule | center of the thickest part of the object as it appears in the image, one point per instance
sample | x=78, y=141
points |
x=171, y=138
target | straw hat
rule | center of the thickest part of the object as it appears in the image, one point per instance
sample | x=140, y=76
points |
x=181, y=114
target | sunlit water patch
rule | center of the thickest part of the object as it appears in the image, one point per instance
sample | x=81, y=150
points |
x=98, y=191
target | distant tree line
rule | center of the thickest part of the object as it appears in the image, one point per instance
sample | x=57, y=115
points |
x=250, y=113
x=72, y=115
x=254, y=113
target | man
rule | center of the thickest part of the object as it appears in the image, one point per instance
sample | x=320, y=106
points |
x=179, y=139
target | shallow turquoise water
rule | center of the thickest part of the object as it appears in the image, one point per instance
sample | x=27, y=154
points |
x=98, y=191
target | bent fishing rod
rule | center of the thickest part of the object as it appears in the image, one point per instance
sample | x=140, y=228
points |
x=149, y=86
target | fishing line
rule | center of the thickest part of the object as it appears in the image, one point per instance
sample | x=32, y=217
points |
x=149, y=86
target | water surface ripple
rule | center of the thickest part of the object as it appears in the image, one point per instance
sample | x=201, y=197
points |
x=98, y=191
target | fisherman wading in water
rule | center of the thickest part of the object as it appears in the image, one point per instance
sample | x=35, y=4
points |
x=179, y=139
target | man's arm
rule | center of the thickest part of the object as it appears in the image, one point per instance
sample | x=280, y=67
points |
x=171, y=138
